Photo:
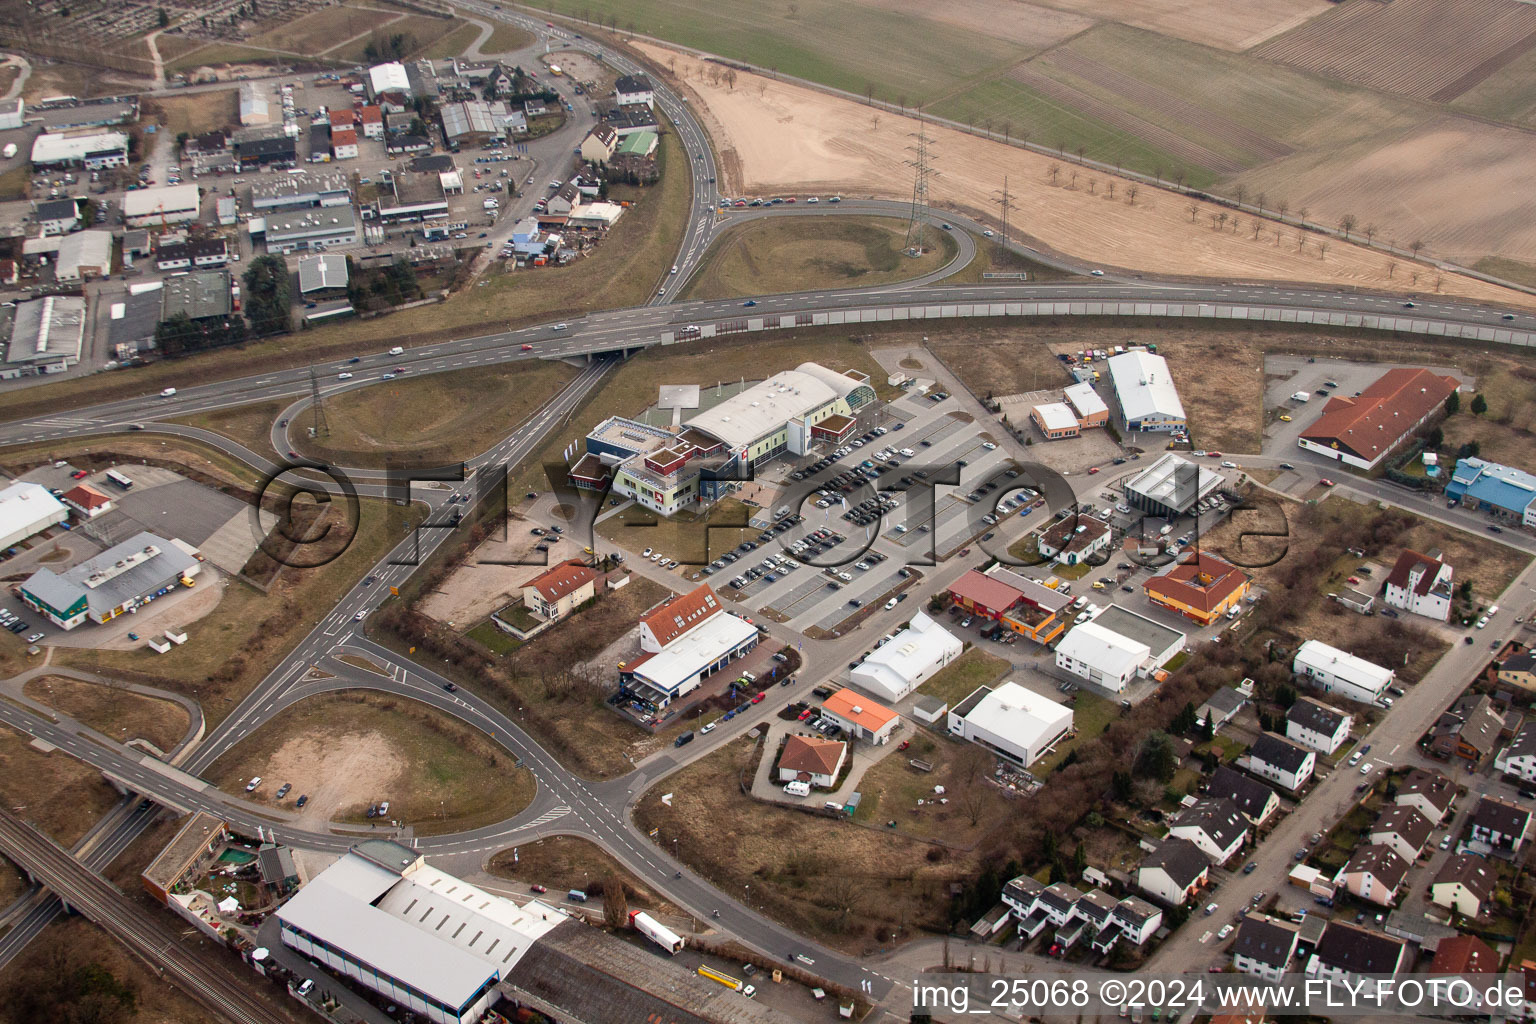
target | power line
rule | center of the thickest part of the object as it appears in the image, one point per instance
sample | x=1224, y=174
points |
x=917, y=222
x=320, y=427
x=1005, y=201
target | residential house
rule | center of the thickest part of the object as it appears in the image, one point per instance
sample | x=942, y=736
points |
x=1264, y=947
x=1465, y=884
x=1402, y=828
x=556, y=592
x=1499, y=825
x=1021, y=893
x=1430, y=793
x=344, y=143
x=1420, y=584
x=1334, y=671
x=87, y=501
x=812, y=760
x=1346, y=952
x=1256, y=800
x=1175, y=872
x=370, y=120
x=1519, y=671
x=598, y=146
x=1314, y=724
x=1469, y=729
x=1464, y=955
x=1075, y=538
x=1374, y=873
x=1221, y=707
x=1137, y=919
x=565, y=200
x=1202, y=589
x=1278, y=759
x=1216, y=826
x=629, y=119
x=634, y=89
x=1519, y=758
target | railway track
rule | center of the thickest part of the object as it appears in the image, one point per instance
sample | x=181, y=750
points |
x=203, y=977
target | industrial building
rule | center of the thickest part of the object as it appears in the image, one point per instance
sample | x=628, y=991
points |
x=13, y=112
x=909, y=659
x=199, y=253
x=292, y=191
x=322, y=273
x=67, y=113
x=790, y=411
x=626, y=120
x=1360, y=431
x=1055, y=420
x=1086, y=405
x=57, y=216
x=95, y=151
x=416, y=196
x=264, y=146
x=860, y=717
x=1144, y=387
x=254, y=108
x=83, y=255
x=42, y=335
x=1014, y=723
x=429, y=942
x=173, y=204
x=119, y=580
x=1014, y=602
x=1170, y=487
x=1101, y=656
x=682, y=642
x=27, y=509
x=1489, y=487
x=291, y=231
x=202, y=294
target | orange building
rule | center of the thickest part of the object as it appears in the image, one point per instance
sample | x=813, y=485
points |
x=1202, y=589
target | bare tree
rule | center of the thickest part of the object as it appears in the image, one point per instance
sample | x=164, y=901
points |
x=1416, y=246
x=1439, y=280
x=869, y=92
x=1322, y=249
x=974, y=802
x=1301, y=215
x=1073, y=183
x=1081, y=149
x=1259, y=200
x=1414, y=277
x=615, y=902
x=1178, y=177
x=901, y=102
x=1131, y=192
x=1391, y=268
x=1241, y=193
x=1111, y=185
x=1347, y=224
x=1283, y=208
x=1301, y=241
x=1053, y=172
x=1194, y=211
x=1219, y=221
x=1258, y=228
x=1370, y=233
x=1157, y=173
x=1237, y=224
x=1093, y=186
x=973, y=761
x=844, y=894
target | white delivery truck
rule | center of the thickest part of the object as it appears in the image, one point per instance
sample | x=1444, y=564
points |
x=654, y=930
x=1301, y=396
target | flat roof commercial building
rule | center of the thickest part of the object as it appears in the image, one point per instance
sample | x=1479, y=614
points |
x=121, y=579
x=418, y=195
x=200, y=295
x=94, y=151
x=42, y=335
x=1361, y=430
x=27, y=509
x=1171, y=486
x=173, y=204
x=429, y=942
x=1017, y=724
x=1086, y=405
x=66, y=114
x=912, y=656
x=777, y=414
x=687, y=639
x=1056, y=421
x=1490, y=487
x=1336, y=671
x=1162, y=642
x=1101, y=656
x=298, y=230
x=1144, y=387
x=289, y=191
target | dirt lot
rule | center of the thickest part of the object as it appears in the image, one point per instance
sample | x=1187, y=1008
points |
x=768, y=257
x=1432, y=49
x=60, y=795
x=560, y=863
x=850, y=886
x=1506, y=432
x=120, y=714
x=441, y=417
x=773, y=136
x=349, y=750
x=195, y=113
x=12, y=882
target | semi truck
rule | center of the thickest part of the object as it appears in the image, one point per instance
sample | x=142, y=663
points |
x=654, y=930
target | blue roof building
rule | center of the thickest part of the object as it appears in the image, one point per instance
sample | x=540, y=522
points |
x=1494, y=488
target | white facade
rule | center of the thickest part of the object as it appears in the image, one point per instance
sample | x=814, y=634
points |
x=1101, y=656
x=895, y=669
x=1426, y=591
x=94, y=152
x=1325, y=731
x=1011, y=721
x=84, y=254
x=1148, y=399
x=25, y=509
x=1282, y=762
x=170, y=205
x=1334, y=671
x=1519, y=758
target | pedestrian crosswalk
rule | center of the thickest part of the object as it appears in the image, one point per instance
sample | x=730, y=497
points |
x=544, y=819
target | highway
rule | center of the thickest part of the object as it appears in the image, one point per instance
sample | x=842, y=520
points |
x=203, y=975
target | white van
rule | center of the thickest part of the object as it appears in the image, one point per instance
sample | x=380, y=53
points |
x=797, y=788
x=167, y=392
x=397, y=351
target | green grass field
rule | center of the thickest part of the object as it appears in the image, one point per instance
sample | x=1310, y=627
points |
x=454, y=43
x=844, y=45
x=1509, y=94
x=788, y=254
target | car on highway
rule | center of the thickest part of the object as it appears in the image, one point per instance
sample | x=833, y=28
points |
x=527, y=348
x=451, y=687
x=750, y=303
x=1096, y=273
x=561, y=327
x=359, y=616
x=343, y=376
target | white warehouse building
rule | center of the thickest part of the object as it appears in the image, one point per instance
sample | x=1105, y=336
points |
x=1148, y=399
x=1334, y=671
x=1011, y=721
x=25, y=509
x=912, y=656
x=1101, y=656
x=421, y=938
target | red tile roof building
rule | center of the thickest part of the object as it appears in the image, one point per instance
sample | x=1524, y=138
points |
x=977, y=592
x=1201, y=589
x=1464, y=954
x=677, y=617
x=812, y=760
x=1360, y=431
x=559, y=589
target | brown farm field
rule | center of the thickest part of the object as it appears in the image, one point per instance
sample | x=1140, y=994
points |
x=1430, y=49
x=1215, y=23
x=326, y=28
x=196, y=113
x=774, y=136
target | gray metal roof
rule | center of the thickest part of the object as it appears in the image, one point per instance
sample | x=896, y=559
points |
x=46, y=329
x=139, y=565
x=326, y=270
x=199, y=294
